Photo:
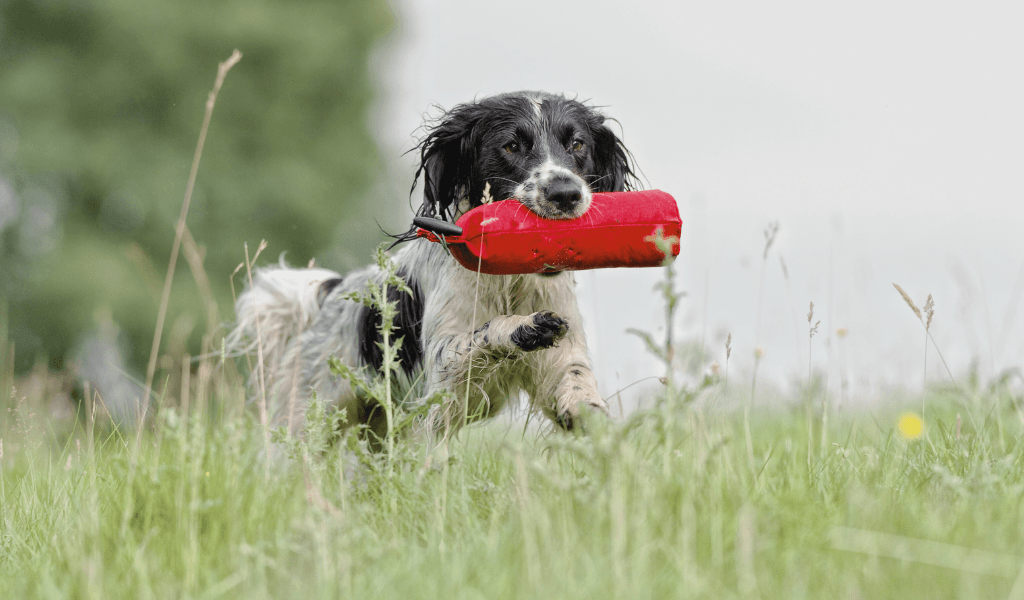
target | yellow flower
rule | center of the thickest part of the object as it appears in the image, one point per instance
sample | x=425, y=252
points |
x=911, y=426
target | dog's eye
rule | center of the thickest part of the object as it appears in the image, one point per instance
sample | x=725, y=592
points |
x=512, y=147
x=576, y=146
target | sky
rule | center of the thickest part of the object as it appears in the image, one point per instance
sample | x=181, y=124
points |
x=886, y=139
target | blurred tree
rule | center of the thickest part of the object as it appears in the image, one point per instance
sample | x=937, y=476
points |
x=100, y=107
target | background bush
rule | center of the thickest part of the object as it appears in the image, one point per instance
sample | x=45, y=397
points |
x=100, y=106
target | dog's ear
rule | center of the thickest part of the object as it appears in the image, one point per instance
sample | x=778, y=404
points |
x=447, y=159
x=612, y=162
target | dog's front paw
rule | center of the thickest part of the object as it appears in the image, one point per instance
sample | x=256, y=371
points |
x=544, y=330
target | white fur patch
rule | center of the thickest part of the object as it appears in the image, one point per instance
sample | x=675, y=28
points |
x=281, y=304
x=530, y=193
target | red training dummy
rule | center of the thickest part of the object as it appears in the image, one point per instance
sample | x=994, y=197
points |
x=505, y=238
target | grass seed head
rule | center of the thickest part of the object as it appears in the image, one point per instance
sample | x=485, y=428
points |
x=929, y=311
x=910, y=303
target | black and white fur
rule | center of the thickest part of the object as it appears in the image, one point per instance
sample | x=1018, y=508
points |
x=502, y=333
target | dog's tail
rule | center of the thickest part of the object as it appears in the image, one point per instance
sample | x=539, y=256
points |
x=281, y=303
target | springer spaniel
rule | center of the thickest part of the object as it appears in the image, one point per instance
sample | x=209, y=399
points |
x=479, y=339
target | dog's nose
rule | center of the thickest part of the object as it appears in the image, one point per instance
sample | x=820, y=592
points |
x=564, y=193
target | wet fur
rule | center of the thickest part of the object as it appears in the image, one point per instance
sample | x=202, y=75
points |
x=503, y=334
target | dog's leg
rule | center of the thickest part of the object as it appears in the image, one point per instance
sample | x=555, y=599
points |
x=567, y=385
x=469, y=366
x=564, y=385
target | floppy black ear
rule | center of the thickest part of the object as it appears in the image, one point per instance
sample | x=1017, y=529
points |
x=447, y=159
x=613, y=163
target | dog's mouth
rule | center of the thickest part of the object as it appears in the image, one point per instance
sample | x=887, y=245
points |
x=555, y=194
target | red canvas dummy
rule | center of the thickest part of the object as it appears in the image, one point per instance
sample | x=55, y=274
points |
x=504, y=238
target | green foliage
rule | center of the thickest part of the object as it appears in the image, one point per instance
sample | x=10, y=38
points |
x=667, y=289
x=384, y=388
x=100, y=108
x=376, y=297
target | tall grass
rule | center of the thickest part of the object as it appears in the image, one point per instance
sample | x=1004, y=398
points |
x=676, y=501
x=660, y=505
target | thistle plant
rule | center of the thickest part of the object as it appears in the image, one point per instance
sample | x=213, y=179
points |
x=667, y=287
x=677, y=395
x=375, y=296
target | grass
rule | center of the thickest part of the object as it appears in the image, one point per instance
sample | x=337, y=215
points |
x=677, y=501
x=663, y=505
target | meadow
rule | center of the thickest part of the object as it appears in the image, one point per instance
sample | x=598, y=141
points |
x=674, y=501
x=687, y=498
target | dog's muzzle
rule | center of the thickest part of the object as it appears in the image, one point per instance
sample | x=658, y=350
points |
x=555, y=193
x=564, y=193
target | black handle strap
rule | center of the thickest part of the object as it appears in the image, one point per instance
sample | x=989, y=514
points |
x=437, y=226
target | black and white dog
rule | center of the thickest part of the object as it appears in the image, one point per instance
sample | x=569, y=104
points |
x=481, y=339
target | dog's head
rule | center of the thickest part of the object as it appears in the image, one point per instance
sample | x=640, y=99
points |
x=546, y=151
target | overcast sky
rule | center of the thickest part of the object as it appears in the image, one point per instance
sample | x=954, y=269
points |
x=884, y=137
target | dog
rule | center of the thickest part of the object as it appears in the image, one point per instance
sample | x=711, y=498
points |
x=475, y=340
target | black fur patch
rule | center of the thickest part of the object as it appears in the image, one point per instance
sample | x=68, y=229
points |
x=326, y=287
x=547, y=329
x=408, y=326
x=483, y=329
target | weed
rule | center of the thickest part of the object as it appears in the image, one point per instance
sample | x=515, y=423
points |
x=664, y=503
x=667, y=288
x=769, y=238
x=811, y=330
x=929, y=313
x=728, y=353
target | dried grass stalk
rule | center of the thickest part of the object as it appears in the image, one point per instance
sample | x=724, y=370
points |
x=910, y=303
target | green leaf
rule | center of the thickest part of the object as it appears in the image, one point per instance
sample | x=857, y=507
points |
x=648, y=341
